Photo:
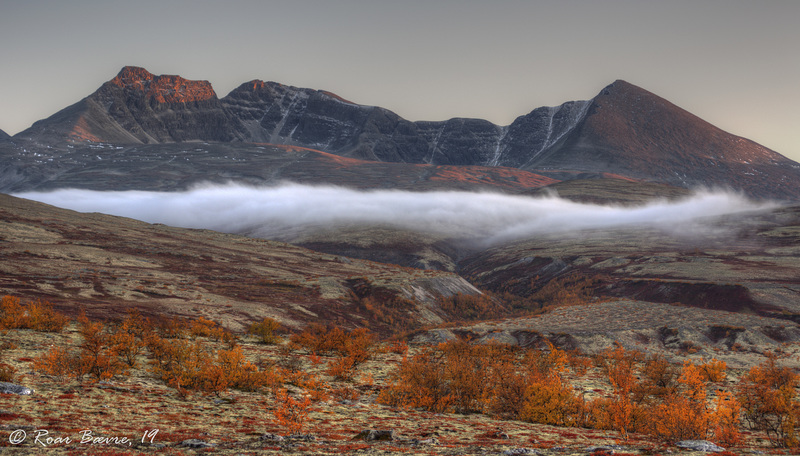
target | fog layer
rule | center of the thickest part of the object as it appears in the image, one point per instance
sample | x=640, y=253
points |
x=482, y=217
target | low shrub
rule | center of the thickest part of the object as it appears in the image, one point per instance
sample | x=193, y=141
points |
x=766, y=394
x=266, y=330
x=36, y=315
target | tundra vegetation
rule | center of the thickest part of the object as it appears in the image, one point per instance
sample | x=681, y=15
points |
x=629, y=393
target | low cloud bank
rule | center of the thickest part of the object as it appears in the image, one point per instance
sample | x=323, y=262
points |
x=482, y=217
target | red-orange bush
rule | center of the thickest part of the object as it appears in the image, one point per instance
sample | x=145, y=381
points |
x=420, y=381
x=495, y=379
x=266, y=330
x=679, y=417
x=97, y=356
x=57, y=362
x=203, y=327
x=7, y=372
x=766, y=394
x=290, y=412
x=350, y=348
x=654, y=397
x=36, y=315
x=713, y=371
x=320, y=339
x=549, y=400
x=659, y=379
x=725, y=420
x=186, y=365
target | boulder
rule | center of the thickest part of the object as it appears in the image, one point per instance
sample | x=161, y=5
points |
x=12, y=388
x=700, y=445
x=372, y=435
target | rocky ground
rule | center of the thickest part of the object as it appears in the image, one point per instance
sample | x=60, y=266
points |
x=138, y=414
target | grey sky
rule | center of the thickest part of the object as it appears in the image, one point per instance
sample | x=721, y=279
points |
x=733, y=63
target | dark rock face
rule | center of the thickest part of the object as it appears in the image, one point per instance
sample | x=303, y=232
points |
x=278, y=114
x=274, y=113
x=4, y=136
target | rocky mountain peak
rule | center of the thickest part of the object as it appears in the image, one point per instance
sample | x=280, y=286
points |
x=132, y=76
x=4, y=135
x=163, y=88
x=618, y=86
x=255, y=85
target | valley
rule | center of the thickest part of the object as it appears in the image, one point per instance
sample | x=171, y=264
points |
x=690, y=281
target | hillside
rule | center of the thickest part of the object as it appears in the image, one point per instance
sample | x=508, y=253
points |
x=108, y=265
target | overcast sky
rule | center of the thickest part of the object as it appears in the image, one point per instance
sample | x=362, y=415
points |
x=733, y=63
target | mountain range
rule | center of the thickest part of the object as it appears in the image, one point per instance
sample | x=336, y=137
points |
x=624, y=132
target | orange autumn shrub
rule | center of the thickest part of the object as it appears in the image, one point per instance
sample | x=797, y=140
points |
x=686, y=414
x=495, y=379
x=419, y=382
x=713, y=371
x=658, y=379
x=7, y=372
x=126, y=346
x=342, y=368
x=243, y=375
x=291, y=413
x=266, y=330
x=350, y=349
x=57, y=362
x=549, y=400
x=203, y=327
x=398, y=347
x=97, y=356
x=767, y=397
x=36, y=315
x=465, y=367
x=12, y=313
x=725, y=419
x=170, y=327
x=620, y=412
x=506, y=386
x=550, y=361
x=319, y=339
x=42, y=317
x=189, y=365
x=679, y=417
x=651, y=395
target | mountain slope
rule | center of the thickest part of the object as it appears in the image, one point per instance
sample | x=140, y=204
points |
x=108, y=265
x=739, y=263
x=179, y=166
x=630, y=131
x=4, y=136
